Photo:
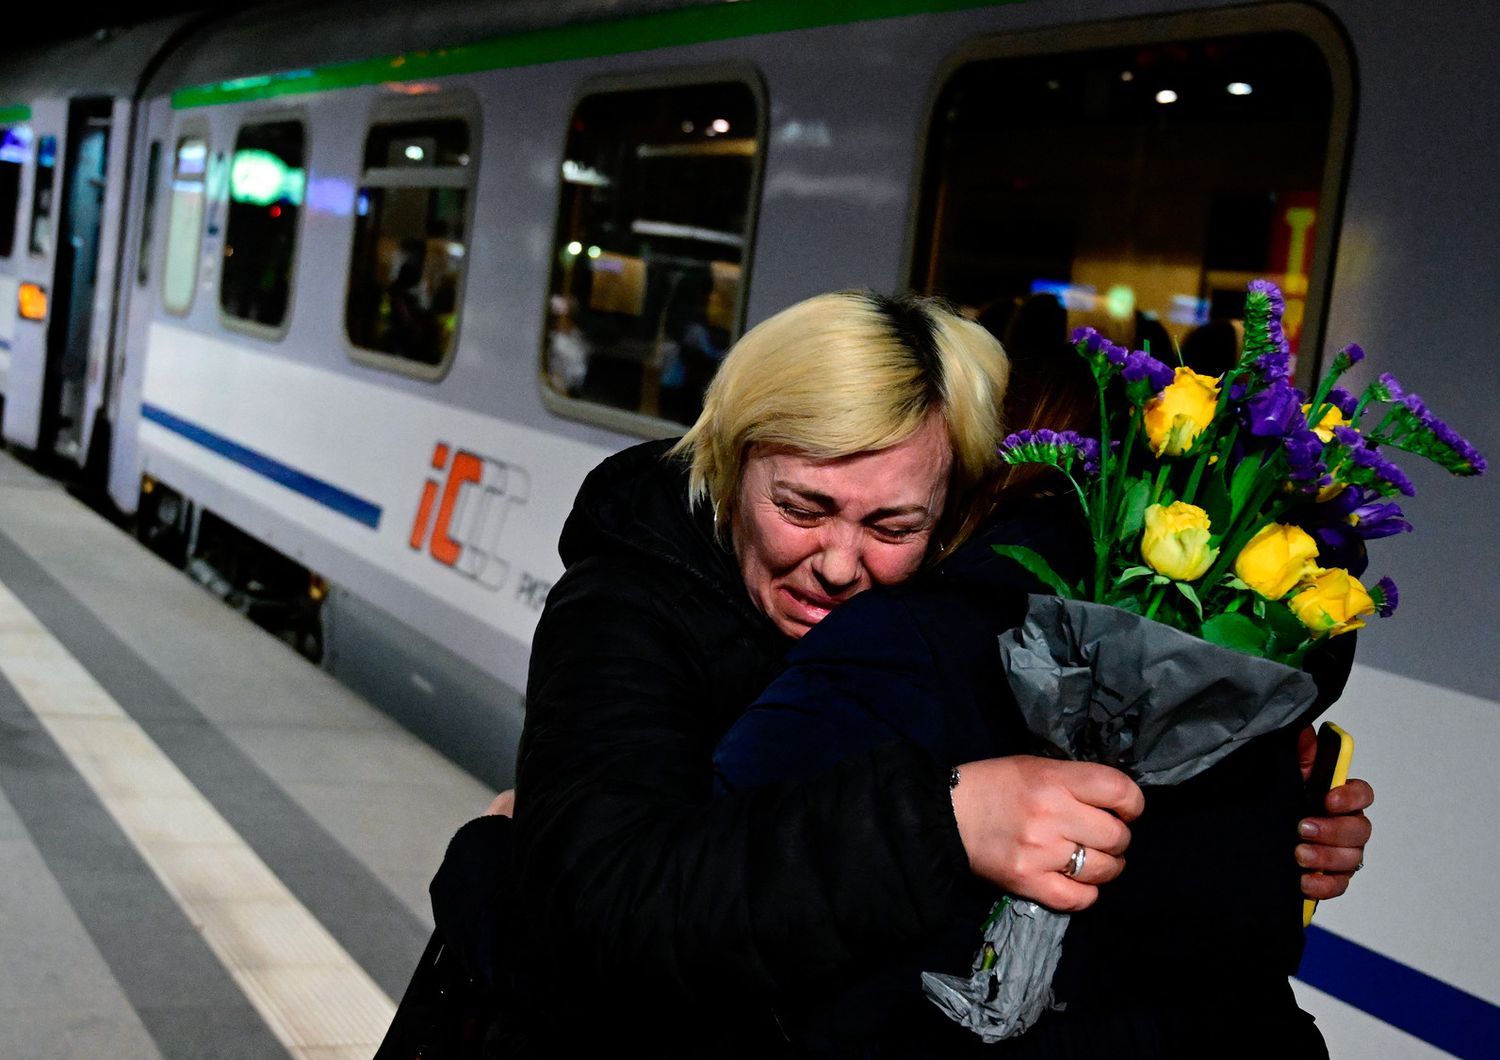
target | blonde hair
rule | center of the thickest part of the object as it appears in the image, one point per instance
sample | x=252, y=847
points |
x=851, y=372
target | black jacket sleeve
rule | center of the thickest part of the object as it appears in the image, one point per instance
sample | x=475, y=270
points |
x=629, y=869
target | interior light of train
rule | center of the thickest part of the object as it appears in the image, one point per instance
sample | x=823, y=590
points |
x=575, y=248
x=1166, y=95
x=578, y=173
x=1238, y=88
x=32, y=299
x=1127, y=75
x=1078, y=297
x=415, y=153
x=192, y=156
x=1119, y=301
x=16, y=145
x=261, y=178
x=720, y=125
x=594, y=252
x=688, y=126
x=1188, y=309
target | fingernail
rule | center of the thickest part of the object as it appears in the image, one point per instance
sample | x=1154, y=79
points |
x=1308, y=829
x=1304, y=856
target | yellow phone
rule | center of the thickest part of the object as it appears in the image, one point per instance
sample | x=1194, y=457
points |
x=1330, y=769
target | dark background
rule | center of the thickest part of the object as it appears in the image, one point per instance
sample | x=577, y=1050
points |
x=73, y=19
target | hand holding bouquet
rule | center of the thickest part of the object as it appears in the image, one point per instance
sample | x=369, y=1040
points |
x=1228, y=519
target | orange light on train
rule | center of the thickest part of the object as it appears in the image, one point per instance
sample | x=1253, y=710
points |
x=33, y=299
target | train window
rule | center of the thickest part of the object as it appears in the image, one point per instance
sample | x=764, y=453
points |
x=266, y=184
x=148, y=215
x=40, y=242
x=15, y=148
x=407, y=269
x=1135, y=187
x=654, y=221
x=184, y=224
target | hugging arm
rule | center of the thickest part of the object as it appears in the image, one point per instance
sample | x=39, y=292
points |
x=629, y=869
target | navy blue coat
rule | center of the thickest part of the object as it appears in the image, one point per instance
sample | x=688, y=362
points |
x=1206, y=917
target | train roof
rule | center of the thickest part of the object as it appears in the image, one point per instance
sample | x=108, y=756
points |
x=283, y=37
x=108, y=63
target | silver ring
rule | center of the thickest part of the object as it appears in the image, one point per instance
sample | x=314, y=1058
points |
x=1075, y=863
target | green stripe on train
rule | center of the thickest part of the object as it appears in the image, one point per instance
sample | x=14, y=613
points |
x=667, y=29
x=11, y=115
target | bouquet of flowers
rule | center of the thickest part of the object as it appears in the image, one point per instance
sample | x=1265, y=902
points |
x=1229, y=518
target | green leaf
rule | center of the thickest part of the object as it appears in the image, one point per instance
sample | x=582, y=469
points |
x=1258, y=605
x=1237, y=632
x=1037, y=566
x=1213, y=498
x=1192, y=597
x=1287, y=630
x=1133, y=510
x=1242, y=484
x=1131, y=573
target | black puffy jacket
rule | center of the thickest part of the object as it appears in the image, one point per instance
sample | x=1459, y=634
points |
x=654, y=915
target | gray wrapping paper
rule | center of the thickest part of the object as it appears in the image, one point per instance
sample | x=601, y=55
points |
x=1098, y=684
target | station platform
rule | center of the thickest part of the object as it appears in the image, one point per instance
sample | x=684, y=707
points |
x=211, y=848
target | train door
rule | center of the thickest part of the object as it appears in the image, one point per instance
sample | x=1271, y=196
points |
x=75, y=272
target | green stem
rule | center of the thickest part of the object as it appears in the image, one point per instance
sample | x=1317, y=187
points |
x=1156, y=599
x=1160, y=484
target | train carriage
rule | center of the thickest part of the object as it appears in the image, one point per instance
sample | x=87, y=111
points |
x=376, y=287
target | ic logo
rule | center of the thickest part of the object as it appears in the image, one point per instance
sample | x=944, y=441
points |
x=475, y=498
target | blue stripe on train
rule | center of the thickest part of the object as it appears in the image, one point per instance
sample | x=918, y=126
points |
x=1424, y=1007
x=325, y=493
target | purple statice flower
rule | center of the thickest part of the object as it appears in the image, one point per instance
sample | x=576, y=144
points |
x=1342, y=400
x=1275, y=366
x=1348, y=436
x=1270, y=292
x=1387, y=388
x=1266, y=348
x=1274, y=412
x=1089, y=337
x=1304, y=456
x=1386, y=598
x=1092, y=344
x=1140, y=365
x=1381, y=473
x=1428, y=436
x=1348, y=357
x=1053, y=448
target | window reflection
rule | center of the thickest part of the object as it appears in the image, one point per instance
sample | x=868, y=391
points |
x=651, y=234
x=267, y=182
x=409, y=241
x=15, y=148
x=184, y=224
x=1139, y=188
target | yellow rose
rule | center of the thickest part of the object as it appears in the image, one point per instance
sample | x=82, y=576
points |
x=1180, y=412
x=1332, y=603
x=1324, y=427
x=1275, y=559
x=1176, y=541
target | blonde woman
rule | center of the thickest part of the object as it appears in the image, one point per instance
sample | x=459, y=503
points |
x=844, y=442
